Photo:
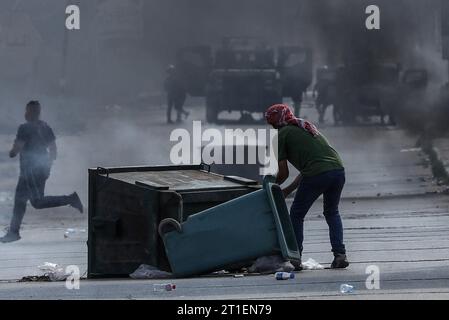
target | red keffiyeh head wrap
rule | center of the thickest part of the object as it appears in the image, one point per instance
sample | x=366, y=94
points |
x=280, y=116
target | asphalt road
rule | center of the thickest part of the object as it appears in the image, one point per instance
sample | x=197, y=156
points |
x=395, y=217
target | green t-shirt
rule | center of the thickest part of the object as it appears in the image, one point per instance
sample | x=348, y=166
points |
x=310, y=155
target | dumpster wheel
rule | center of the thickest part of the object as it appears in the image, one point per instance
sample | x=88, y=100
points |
x=168, y=225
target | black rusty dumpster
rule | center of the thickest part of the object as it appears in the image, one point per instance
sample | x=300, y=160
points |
x=127, y=204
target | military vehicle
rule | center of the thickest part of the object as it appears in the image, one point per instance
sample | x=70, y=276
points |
x=244, y=75
x=412, y=93
x=365, y=90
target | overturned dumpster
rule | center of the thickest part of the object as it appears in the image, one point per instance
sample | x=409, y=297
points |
x=252, y=226
x=127, y=204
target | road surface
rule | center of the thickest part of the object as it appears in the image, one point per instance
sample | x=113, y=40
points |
x=395, y=217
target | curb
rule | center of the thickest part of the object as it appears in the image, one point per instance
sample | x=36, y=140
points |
x=439, y=170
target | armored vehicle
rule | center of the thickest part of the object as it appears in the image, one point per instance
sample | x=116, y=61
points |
x=365, y=90
x=244, y=75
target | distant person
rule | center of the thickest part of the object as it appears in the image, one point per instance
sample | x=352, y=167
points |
x=176, y=95
x=321, y=173
x=323, y=96
x=35, y=142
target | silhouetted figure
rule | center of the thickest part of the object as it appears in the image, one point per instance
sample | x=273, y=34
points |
x=323, y=95
x=176, y=95
x=35, y=142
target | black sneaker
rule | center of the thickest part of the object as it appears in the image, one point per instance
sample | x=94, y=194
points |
x=340, y=262
x=75, y=202
x=297, y=264
x=10, y=237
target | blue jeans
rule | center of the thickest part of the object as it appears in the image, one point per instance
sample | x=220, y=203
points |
x=330, y=185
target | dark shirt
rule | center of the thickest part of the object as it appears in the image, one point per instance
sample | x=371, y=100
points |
x=174, y=87
x=322, y=87
x=37, y=137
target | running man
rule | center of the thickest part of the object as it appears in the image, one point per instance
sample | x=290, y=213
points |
x=35, y=142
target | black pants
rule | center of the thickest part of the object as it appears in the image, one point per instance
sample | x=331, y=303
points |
x=31, y=186
x=175, y=101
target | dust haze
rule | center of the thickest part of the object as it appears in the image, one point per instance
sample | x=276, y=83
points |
x=101, y=86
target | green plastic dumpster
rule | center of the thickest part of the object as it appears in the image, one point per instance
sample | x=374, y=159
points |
x=243, y=229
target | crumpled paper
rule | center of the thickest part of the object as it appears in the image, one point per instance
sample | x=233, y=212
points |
x=149, y=272
x=312, y=265
x=54, y=271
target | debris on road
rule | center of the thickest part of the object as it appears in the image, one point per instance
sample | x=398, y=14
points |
x=149, y=272
x=69, y=232
x=312, y=265
x=284, y=275
x=221, y=272
x=164, y=287
x=271, y=264
x=346, y=288
x=54, y=271
x=35, y=279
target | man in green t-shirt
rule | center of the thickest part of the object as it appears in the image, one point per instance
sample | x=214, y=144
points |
x=321, y=173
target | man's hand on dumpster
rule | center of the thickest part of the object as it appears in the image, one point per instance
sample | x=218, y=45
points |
x=286, y=192
x=292, y=187
x=283, y=173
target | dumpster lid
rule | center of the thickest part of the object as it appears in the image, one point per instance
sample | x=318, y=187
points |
x=182, y=180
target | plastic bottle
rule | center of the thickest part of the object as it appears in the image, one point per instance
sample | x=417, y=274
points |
x=164, y=287
x=284, y=275
x=346, y=288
